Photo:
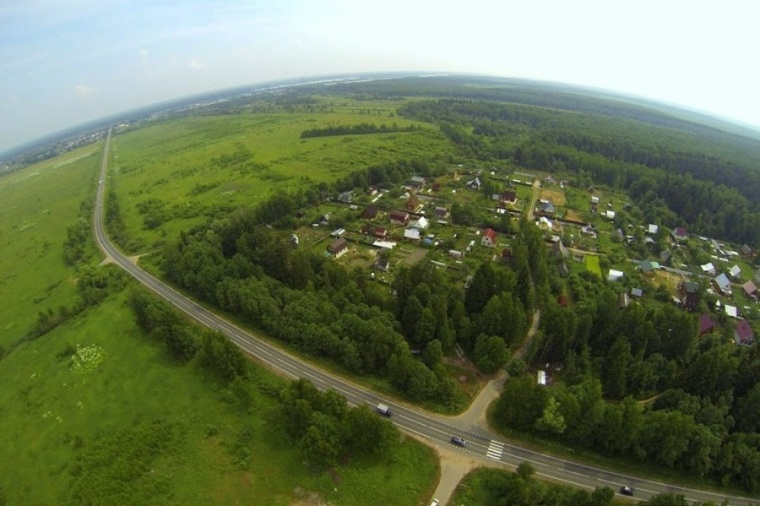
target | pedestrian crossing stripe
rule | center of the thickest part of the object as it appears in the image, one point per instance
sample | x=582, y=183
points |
x=494, y=450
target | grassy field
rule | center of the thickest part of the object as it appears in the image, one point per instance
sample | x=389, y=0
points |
x=51, y=413
x=192, y=164
x=37, y=204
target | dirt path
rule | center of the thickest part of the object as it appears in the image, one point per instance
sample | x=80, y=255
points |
x=529, y=339
x=455, y=465
x=536, y=188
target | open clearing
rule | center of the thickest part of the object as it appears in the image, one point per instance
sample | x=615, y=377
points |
x=573, y=215
x=555, y=197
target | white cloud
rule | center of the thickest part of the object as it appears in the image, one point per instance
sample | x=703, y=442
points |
x=143, y=54
x=196, y=63
x=83, y=90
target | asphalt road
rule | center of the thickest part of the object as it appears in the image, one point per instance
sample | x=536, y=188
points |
x=436, y=429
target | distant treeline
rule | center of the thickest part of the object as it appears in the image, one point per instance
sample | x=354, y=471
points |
x=360, y=129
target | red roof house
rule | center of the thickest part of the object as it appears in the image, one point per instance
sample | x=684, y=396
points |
x=399, y=218
x=369, y=213
x=706, y=324
x=679, y=234
x=743, y=333
x=488, y=238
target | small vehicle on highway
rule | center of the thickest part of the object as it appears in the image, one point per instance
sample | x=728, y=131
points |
x=458, y=441
x=627, y=491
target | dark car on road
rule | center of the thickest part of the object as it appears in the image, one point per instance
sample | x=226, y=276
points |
x=458, y=441
x=627, y=491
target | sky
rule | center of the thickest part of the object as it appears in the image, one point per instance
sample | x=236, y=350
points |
x=65, y=62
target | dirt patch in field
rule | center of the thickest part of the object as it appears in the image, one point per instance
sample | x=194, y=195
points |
x=571, y=215
x=556, y=198
x=416, y=256
x=668, y=279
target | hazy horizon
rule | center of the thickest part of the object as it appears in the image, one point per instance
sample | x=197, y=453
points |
x=67, y=63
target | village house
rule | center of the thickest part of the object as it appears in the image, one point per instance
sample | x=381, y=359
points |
x=559, y=249
x=369, y=213
x=665, y=255
x=648, y=267
x=421, y=223
x=689, y=292
x=735, y=272
x=412, y=234
x=441, y=213
x=743, y=333
x=488, y=238
x=506, y=255
x=380, y=233
x=708, y=269
x=399, y=218
x=417, y=182
x=679, y=234
x=614, y=275
x=346, y=197
x=588, y=230
x=706, y=324
x=637, y=292
x=508, y=197
x=545, y=209
x=474, y=184
x=414, y=204
x=652, y=229
x=750, y=289
x=723, y=284
x=338, y=248
x=757, y=276
x=745, y=250
x=624, y=300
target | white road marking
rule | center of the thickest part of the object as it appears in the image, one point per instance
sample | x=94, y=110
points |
x=494, y=450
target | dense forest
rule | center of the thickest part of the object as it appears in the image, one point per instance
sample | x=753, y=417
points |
x=360, y=129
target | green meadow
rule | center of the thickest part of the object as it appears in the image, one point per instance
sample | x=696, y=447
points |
x=37, y=204
x=180, y=171
x=65, y=431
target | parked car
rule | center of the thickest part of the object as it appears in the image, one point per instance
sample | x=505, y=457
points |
x=458, y=441
x=627, y=491
x=434, y=503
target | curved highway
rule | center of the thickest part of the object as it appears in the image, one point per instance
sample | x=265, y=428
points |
x=437, y=429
